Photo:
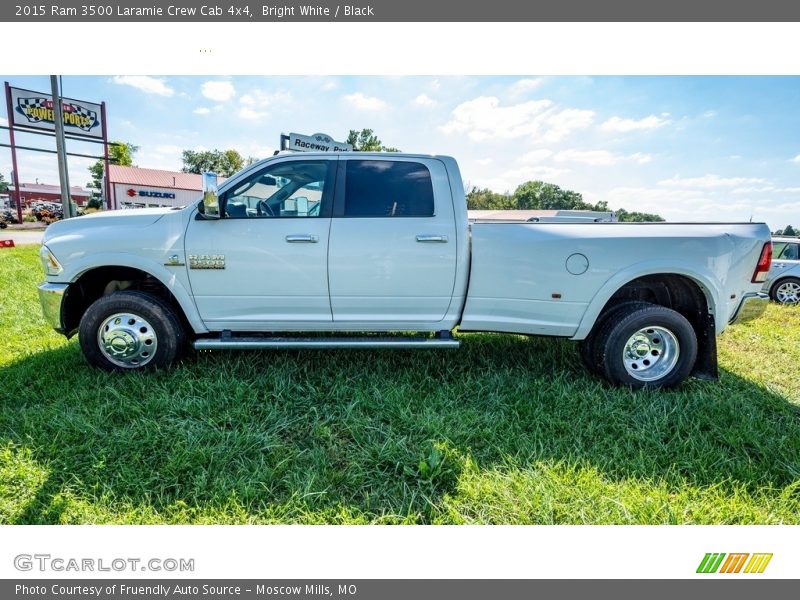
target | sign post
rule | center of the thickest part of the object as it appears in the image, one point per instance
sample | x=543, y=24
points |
x=15, y=172
x=58, y=122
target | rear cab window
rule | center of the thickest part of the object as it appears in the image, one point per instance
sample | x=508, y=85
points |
x=388, y=188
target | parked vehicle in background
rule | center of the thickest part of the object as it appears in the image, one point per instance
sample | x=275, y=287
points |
x=7, y=218
x=783, y=282
x=327, y=244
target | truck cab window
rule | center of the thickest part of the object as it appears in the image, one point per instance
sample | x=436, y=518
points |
x=387, y=188
x=287, y=189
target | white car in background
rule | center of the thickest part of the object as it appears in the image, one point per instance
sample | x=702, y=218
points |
x=783, y=282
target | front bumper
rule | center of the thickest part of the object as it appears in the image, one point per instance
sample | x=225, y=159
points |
x=752, y=306
x=51, y=297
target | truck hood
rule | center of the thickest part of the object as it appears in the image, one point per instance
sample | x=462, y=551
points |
x=140, y=217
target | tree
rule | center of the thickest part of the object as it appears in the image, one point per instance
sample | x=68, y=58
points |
x=366, y=141
x=119, y=153
x=221, y=162
x=538, y=195
x=486, y=199
x=637, y=217
x=788, y=230
x=3, y=184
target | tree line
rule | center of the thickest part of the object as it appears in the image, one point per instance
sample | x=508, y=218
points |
x=540, y=195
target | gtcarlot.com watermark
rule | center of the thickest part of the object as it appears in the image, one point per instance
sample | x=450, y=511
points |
x=45, y=563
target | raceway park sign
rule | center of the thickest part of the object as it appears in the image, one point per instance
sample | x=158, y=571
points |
x=34, y=110
x=319, y=142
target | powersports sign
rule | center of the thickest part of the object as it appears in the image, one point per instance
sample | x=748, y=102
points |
x=34, y=110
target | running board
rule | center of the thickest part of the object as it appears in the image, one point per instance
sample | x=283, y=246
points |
x=321, y=343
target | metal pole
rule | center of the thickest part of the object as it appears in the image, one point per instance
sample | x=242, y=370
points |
x=15, y=172
x=58, y=118
x=106, y=183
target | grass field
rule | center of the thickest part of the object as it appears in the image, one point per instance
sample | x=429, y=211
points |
x=505, y=430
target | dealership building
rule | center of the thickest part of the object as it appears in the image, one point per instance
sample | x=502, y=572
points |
x=31, y=193
x=135, y=187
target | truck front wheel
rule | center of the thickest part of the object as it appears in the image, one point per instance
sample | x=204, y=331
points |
x=647, y=346
x=130, y=330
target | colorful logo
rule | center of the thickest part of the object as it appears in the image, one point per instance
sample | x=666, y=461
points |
x=713, y=562
x=131, y=192
x=38, y=109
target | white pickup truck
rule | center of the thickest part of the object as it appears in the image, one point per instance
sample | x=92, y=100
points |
x=302, y=250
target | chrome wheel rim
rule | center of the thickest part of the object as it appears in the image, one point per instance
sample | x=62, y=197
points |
x=788, y=292
x=127, y=340
x=651, y=353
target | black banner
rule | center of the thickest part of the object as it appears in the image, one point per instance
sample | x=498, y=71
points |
x=401, y=11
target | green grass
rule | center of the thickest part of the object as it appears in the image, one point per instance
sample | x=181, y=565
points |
x=507, y=429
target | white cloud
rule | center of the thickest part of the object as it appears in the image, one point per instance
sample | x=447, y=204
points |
x=600, y=157
x=484, y=161
x=483, y=119
x=753, y=190
x=146, y=84
x=261, y=99
x=710, y=113
x=169, y=149
x=560, y=124
x=710, y=181
x=535, y=156
x=3, y=121
x=364, y=102
x=766, y=189
x=218, y=91
x=251, y=114
x=640, y=158
x=796, y=159
x=524, y=86
x=620, y=125
x=255, y=103
x=201, y=110
x=425, y=100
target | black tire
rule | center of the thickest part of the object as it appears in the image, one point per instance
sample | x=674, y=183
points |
x=776, y=289
x=138, y=317
x=586, y=348
x=3, y=225
x=667, y=339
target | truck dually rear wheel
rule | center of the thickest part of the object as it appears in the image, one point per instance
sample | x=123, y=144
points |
x=130, y=330
x=646, y=346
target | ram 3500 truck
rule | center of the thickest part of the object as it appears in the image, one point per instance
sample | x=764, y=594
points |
x=298, y=248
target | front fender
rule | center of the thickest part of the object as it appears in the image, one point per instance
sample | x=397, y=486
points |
x=169, y=276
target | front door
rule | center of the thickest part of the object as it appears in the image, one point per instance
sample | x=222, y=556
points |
x=264, y=265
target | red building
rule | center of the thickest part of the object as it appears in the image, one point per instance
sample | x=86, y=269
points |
x=43, y=192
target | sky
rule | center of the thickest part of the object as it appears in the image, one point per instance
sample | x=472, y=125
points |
x=698, y=148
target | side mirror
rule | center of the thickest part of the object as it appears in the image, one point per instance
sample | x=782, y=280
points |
x=210, y=197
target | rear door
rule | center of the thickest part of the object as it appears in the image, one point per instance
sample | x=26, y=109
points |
x=392, y=253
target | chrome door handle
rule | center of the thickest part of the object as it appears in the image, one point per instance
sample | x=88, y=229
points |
x=303, y=238
x=426, y=237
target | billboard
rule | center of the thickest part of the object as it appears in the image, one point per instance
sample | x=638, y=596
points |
x=34, y=110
